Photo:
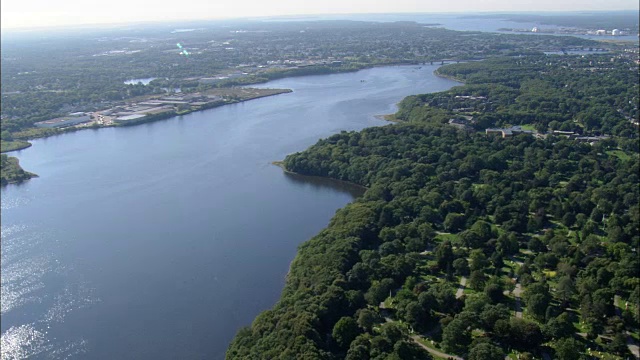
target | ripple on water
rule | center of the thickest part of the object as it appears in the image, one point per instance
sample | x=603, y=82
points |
x=7, y=203
x=22, y=342
x=74, y=297
x=23, y=267
x=28, y=263
x=25, y=341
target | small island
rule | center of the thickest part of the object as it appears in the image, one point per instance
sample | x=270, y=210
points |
x=12, y=172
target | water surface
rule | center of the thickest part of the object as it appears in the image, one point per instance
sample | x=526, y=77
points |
x=160, y=241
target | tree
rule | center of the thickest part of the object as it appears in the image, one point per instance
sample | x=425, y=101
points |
x=471, y=239
x=456, y=337
x=559, y=327
x=497, y=261
x=454, y=222
x=523, y=334
x=427, y=301
x=366, y=319
x=6, y=136
x=478, y=260
x=461, y=266
x=536, y=245
x=415, y=315
x=537, y=305
x=444, y=254
x=359, y=352
x=344, y=331
x=486, y=351
x=619, y=345
x=410, y=351
x=492, y=314
x=379, y=291
x=565, y=288
x=392, y=332
x=483, y=229
x=493, y=292
x=568, y=349
x=477, y=280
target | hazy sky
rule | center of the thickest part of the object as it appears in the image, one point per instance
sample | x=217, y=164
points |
x=36, y=13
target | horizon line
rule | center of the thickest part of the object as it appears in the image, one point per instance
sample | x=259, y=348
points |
x=100, y=25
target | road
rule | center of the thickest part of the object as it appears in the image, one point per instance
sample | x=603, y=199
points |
x=463, y=284
x=517, y=292
x=631, y=343
x=434, y=351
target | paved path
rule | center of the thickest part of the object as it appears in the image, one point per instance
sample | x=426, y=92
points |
x=434, y=351
x=631, y=343
x=635, y=350
x=517, y=292
x=463, y=283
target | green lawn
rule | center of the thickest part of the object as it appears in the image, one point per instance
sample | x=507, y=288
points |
x=430, y=345
x=447, y=236
x=619, y=154
x=13, y=145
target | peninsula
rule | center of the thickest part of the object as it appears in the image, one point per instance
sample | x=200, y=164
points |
x=500, y=219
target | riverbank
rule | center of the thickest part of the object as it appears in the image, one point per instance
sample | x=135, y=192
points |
x=228, y=96
x=387, y=117
x=280, y=164
x=448, y=77
x=6, y=146
x=11, y=172
x=39, y=133
x=16, y=174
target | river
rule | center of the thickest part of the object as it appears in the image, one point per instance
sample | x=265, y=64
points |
x=160, y=241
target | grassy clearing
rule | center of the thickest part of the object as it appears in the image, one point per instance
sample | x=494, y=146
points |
x=453, y=238
x=13, y=145
x=431, y=345
x=619, y=154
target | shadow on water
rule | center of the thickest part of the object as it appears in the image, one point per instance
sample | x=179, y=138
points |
x=321, y=183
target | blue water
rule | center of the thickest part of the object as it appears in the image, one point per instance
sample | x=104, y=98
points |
x=459, y=22
x=160, y=241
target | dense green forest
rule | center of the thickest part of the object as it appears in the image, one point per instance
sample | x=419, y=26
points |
x=593, y=95
x=11, y=172
x=471, y=244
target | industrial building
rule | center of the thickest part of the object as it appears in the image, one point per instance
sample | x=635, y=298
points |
x=129, y=118
x=73, y=119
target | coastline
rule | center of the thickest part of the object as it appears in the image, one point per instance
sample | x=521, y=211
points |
x=271, y=77
x=148, y=119
x=280, y=164
x=9, y=146
x=439, y=74
x=16, y=174
x=25, y=144
x=386, y=117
